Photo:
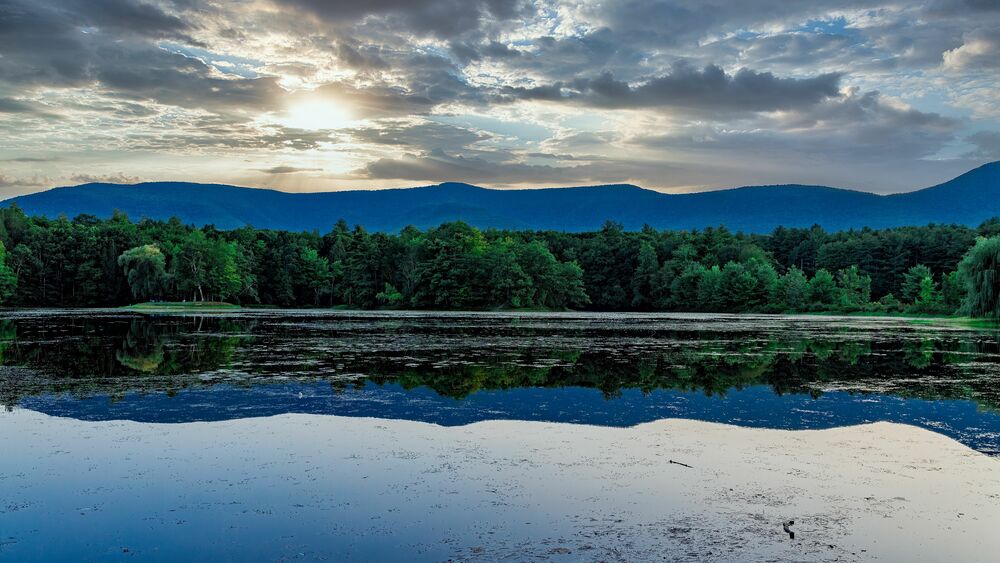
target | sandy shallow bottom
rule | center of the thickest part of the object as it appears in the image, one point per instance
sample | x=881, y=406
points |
x=322, y=487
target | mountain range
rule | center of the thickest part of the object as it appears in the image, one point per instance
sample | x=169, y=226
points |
x=968, y=199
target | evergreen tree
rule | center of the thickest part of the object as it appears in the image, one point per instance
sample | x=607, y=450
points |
x=644, y=278
x=855, y=288
x=794, y=290
x=8, y=279
x=823, y=291
x=912, y=281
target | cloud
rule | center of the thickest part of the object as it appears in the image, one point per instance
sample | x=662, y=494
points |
x=987, y=145
x=118, y=178
x=31, y=159
x=441, y=18
x=24, y=108
x=858, y=126
x=979, y=51
x=32, y=182
x=439, y=166
x=366, y=59
x=113, y=44
x=422, y=135
x=284, y=169
x=706, y=90
x=10, y=105
x=502, y=91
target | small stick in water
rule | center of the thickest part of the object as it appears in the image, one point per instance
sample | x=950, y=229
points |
x=679, y=463
x=788, y=530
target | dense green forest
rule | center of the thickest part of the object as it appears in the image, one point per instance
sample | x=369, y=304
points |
x=87, y=261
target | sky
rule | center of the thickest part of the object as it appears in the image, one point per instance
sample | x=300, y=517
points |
x=678, y=95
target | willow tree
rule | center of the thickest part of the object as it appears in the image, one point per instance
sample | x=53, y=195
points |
x=145, y=269
x=981, y=270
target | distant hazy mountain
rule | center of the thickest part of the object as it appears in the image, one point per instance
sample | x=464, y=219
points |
x=968, y=199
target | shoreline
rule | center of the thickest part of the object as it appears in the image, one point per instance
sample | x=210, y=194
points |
x=222, y=306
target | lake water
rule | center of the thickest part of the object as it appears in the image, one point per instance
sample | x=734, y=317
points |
x=186, y=436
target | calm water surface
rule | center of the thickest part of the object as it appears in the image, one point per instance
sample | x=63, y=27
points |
x=606, y=370
x=453, y=369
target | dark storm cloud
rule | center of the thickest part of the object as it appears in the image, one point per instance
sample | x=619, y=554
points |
x=709, y=90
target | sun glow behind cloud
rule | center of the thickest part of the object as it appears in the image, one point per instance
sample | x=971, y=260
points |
x=314, y=114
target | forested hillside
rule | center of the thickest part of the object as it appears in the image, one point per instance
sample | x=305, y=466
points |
x=968, y=200
x=91, y=262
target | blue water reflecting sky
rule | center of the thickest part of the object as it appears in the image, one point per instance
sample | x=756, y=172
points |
x=755, y=406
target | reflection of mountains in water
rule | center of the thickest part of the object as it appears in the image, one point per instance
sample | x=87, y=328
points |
x=112, y=356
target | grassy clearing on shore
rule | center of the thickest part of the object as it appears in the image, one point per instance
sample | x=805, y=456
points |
x=182, y=306
x=917, y=318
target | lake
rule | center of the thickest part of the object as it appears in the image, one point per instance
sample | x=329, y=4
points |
x=313, y=435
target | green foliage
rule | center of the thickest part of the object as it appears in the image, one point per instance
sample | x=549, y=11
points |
x=8, y=279
x=644, y=278
x=314, y=273
x=390, y=296
x=145, y=270
x=929, y=298
x=981, y=270
x=684, y=294
x=793, y=290
x=739, y=287
x=711, y=293
x=856, y=289
x=823, y=291
x=912, y=280
x=206, y=268
x=890, y=304
x=92, y=262
x=952, y=291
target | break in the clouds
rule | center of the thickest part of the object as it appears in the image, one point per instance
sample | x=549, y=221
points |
x=330, y=94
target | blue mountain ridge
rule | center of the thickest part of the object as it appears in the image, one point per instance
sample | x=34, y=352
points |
x=968, y=199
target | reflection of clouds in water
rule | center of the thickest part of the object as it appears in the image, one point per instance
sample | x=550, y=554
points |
x=363, y=488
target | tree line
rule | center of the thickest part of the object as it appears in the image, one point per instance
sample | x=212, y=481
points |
x=88, y=261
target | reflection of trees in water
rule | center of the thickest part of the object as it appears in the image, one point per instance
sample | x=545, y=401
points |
x=142, y=347
x=909, y=369
x=112, y=358
x=168, y=354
